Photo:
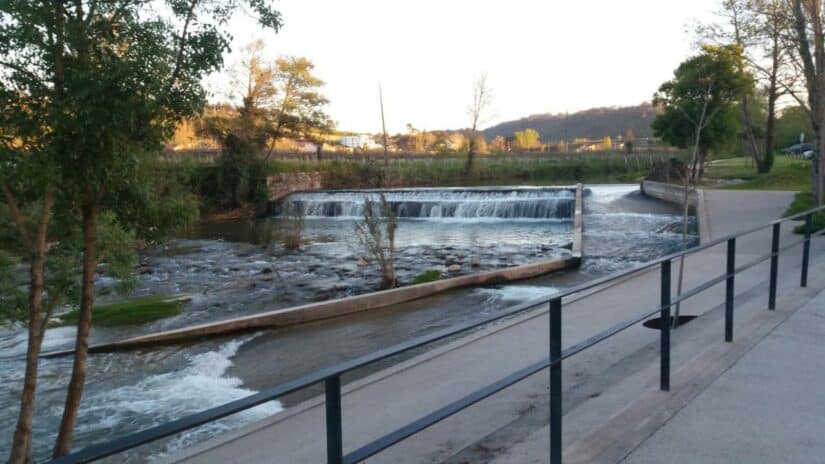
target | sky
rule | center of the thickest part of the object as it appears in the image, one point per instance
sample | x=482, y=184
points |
x=540, y=56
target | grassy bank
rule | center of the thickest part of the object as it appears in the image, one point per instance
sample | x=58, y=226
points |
x=130, y=312
x=804, y=201
x=488, y=170
x=787, y=174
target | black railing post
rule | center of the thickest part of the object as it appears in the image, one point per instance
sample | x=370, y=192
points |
x=664, y=379
x=731, y=269
x=555, y=381
x=806, y=250
x=335, y=443
x=774, y=266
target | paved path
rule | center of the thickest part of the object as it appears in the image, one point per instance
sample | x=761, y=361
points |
x=768, y=408
x=598, y=382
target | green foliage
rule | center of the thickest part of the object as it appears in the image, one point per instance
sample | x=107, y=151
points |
x=704, y=89
x=429, y=276
x=803, y=201
x=793, y=122
x=130, y=312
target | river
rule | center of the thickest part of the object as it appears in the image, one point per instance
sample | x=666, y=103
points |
x=228, y=271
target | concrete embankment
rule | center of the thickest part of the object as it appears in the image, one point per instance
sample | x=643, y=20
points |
x=675, y=194
x=344, y=306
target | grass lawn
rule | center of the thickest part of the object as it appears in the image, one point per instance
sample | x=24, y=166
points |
x=130, y=312
x=786, y=174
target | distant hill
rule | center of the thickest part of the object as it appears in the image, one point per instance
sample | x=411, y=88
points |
x=594, y=123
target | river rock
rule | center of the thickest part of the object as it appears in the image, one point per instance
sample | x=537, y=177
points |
x=475, y=261
x=266, y=270
x=454, y=268
x=362, y=262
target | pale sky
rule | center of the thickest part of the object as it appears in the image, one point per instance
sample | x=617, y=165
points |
x=540, y=56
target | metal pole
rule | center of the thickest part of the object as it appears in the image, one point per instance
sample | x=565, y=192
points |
x=335, y=447
x=729, y=290
x=806, y=250
x=774, y=267
x=555, y=381
x=664, y=378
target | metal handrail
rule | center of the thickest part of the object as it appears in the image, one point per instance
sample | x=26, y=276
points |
x=331, y=375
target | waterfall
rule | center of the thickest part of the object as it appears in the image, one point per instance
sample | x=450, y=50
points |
x=509, y=203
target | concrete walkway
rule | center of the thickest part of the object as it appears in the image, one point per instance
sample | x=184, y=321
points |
x=599, y=384
x=768, y=408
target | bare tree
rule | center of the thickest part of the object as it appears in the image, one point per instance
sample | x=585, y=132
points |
x=807, y=29
x=700, y=125
x=477, y=111
x=376, y=234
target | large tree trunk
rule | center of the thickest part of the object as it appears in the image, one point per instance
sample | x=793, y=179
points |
x=470, y=154
x=770, y=130
x=807, y=16
x=21, y=447
x=63, y=444
x=750, y=138
x=819, y=167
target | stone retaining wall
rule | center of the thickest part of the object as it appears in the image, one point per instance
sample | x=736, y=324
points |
x=280, y=185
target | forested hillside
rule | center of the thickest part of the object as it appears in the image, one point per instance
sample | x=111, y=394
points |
x=591, y=124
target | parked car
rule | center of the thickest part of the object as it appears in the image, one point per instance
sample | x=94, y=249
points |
x=798, y=149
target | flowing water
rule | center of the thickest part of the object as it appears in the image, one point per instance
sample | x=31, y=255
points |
x=227, y=275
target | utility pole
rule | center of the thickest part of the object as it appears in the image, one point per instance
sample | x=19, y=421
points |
x=383, y=125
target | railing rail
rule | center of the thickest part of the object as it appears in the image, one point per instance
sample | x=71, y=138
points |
x=331, y=376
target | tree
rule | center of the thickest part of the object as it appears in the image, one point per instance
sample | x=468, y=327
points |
x=791, y=124
x=300, y=105
x=758, y=27
x=698, y=103
x=808, y=28
x=376, y=234
x=477, y=111
x=94, y=86
x=498, y=145
x=528, y=139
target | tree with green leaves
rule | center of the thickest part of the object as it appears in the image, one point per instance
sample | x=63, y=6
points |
x=699, y=103
x=758, y=27
x=278, y=99
x=91, y=88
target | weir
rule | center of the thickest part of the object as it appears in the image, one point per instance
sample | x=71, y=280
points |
x=529, y=199
x=440, y=203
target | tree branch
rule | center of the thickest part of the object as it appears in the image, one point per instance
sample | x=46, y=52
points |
x=16, y=214
x=182, y=43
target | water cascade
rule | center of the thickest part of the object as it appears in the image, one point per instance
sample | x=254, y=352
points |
x=457, y=203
